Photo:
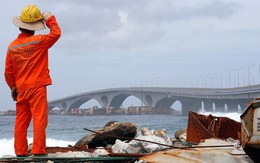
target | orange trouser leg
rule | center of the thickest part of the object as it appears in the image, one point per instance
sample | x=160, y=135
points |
x=31, y=103
x=22, y=121
x=39, y=110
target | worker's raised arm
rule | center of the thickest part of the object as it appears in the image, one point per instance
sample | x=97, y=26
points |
x=55, y=32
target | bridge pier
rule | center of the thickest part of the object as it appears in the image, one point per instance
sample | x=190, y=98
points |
x=208, y=105
x=219, y=106
x=186, y=107
x=197, y=105
x=244, y=103
x=233, y=106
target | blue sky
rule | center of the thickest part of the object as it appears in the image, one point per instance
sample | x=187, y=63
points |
x=112, y=43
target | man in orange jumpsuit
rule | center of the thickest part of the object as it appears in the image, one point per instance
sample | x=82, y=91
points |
x=27, y=75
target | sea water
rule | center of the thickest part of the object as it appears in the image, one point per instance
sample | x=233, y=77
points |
x=64, y=130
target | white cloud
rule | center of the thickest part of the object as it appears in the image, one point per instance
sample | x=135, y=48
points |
x=126, y=24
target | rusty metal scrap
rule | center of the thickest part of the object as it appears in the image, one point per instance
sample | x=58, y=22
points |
x=250, y=130
x=202, y=127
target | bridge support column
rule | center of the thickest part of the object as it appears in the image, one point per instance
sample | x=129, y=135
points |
x=219, y=106
x=243, y=104
x=64, y=106
x=197, y=106
x=208, y=105
x=186, y=107
x=232, y=106
x=108, y=110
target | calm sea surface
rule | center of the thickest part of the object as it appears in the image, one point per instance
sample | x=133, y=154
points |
x=71, y=128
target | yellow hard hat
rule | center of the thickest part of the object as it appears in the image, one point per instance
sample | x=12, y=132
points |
x=30, y=14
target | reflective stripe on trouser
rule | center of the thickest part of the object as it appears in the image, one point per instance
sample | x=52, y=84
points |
x=31, y=103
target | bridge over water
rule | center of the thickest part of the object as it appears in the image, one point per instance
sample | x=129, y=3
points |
x=210, y=99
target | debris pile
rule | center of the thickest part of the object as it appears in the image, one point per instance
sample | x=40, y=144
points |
x=205, y=140
x=107, y=135
x=150, y=141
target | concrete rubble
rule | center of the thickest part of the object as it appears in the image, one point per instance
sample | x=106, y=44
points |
x=163, y=149
x=107, y=135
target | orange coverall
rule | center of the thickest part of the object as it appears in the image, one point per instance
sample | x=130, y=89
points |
x=26, y=68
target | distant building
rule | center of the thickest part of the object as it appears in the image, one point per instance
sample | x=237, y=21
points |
x=55, y=111
x=8, y=112
x=132, y=110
